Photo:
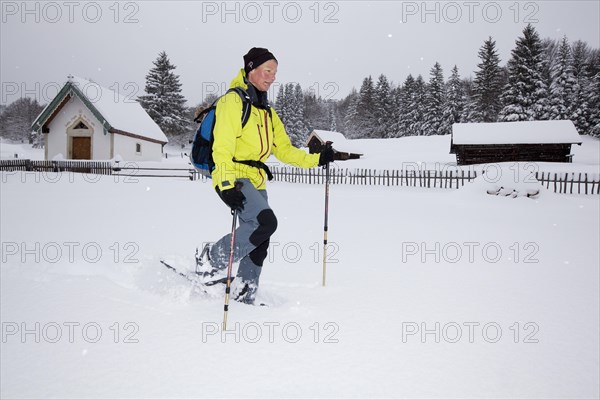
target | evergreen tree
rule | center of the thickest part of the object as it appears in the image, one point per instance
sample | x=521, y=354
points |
x=434, y=101
x=419, y=100
x=406, y=107
x=348, y=107
x=454, y=105
x=592, y=95
x=469, y=109
x=332, y=118
x=383, y=108
x=550, y=53
x=296, y=126
x=16, y=120
x=487, y=85
x=580, y=110
x=290, y=108
x=396, y=99
x=413, y=107
x=163, y=100
x=563, y=82
x=593, y=62
x=365, y=107
x=282, y=104
x=525, y=96
x=316, y=111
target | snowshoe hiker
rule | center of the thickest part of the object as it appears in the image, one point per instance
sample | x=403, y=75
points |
x=239, y=154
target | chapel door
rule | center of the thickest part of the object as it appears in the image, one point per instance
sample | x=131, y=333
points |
x=82, y=148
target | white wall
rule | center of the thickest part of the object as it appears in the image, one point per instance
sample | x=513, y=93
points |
x=125, y=147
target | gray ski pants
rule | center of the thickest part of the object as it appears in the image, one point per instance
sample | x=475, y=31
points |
x=257, y=223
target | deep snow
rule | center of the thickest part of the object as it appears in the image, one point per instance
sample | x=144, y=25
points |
x=431, y=293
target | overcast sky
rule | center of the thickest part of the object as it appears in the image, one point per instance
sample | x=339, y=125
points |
x=329, y=46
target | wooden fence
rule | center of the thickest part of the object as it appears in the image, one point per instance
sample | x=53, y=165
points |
x=128, y=169
x=569, y=182
x=445, y=179
x=90, y=167
x=559, y=182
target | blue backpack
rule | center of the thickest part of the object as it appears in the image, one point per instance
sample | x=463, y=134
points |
x=201, y=154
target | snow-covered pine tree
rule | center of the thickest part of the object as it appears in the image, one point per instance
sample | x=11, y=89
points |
x=297, y=127
x=365, y=116
x=580, y=109
x=525, y=96
x=290, y=108
x=413, y=106
x=163, y=100
x=434, y=101
x=350, y=107
x=454, y=105
x=281, y=103
x=550, y=50
x=316, y=112
x=592, y=95
x=383, y=110
x=419, y=100
x=592, y=92
x=563, y=82
x=331, y=116
x=16, y=120
x=487, y=85
x=396, y=98
x=405, y=114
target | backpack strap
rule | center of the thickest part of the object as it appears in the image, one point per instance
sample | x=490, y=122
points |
x=246, y=106
x=257, y=164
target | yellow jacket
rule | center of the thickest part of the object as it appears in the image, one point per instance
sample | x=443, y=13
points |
x=260, y=137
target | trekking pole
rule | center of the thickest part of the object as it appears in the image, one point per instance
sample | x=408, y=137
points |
x=229, y=268
x=238, y=186
x=325, y=224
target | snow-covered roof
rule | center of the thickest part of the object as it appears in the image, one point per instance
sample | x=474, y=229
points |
x=115, y=111
x=329, y=136
x=519, y=132
x=339, y=141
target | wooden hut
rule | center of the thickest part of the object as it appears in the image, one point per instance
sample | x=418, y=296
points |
x=479, y=143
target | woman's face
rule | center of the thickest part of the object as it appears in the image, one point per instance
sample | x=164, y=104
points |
x=264, y=75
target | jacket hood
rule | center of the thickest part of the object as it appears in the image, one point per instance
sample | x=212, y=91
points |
x=240, y=80
x=257, y=98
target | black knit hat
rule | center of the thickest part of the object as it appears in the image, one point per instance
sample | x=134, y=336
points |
x=255, y=57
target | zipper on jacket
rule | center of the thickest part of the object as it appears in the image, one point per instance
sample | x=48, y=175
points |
x=264, y=147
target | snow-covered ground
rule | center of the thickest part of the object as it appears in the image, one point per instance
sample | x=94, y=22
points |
x=426, y=152
x=430, y=293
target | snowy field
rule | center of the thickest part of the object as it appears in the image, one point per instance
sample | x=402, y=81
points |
x=430, y=293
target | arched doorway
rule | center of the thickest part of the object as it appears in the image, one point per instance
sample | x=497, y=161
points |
x=80, y=141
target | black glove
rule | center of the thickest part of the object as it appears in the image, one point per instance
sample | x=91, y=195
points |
x=327, y=156
x=234, y=198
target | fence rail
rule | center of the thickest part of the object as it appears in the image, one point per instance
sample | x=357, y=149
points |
x=90, y=167
x=448, y=179
x=559, y=182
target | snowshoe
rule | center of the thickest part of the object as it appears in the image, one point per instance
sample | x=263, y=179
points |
x=204, y=266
